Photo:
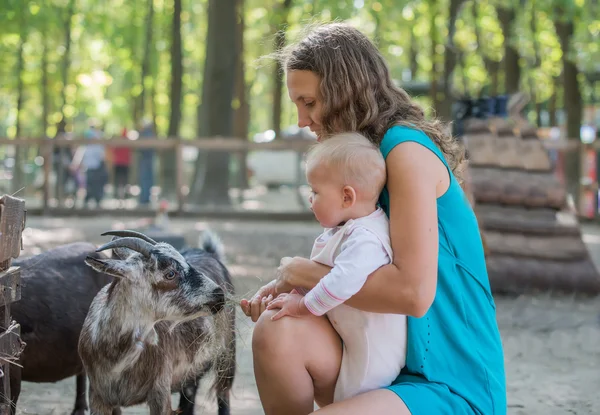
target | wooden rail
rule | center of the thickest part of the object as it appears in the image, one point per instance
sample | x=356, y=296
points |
x=215, y=144
x=212, y=144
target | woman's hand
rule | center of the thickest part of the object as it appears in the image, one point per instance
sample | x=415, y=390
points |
x=285, y=275
x=296, y=272
x=291, y=304
x=258, y=304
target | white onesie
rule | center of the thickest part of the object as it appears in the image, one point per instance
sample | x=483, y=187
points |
x=374, y=344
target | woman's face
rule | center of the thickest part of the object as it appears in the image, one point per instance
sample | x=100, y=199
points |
x=303, y=88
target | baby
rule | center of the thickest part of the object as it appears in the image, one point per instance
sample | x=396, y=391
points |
x=346, y=174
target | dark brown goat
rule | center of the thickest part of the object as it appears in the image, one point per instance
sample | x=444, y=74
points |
x=57, y=290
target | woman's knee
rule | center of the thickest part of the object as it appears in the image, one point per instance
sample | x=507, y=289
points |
x=289, y=333
x=311, y=340
x=273, y=336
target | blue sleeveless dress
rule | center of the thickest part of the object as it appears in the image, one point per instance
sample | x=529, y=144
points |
x=454, y=361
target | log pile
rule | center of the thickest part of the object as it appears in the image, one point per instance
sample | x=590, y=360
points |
x=517, y=202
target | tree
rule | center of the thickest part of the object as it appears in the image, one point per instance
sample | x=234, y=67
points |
x=18, y=176
x=168, y=165
x=216, y=112
x=512, y=70
x=280, y=20
x=572, y=100
x=241, y=117
x=140, y=109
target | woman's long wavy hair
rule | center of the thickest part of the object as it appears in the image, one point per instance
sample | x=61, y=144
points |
x=357, y=91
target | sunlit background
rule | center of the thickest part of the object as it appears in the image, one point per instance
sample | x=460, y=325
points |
x=196, y=131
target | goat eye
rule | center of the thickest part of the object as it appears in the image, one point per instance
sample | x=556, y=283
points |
x=170, y=275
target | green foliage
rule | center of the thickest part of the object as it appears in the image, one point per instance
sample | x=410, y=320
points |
x=108, y=41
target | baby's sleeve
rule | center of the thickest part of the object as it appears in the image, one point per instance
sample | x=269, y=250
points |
x=360, y=255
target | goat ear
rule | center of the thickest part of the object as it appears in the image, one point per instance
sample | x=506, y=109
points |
x=107, y=266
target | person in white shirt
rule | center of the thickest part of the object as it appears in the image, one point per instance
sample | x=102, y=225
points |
x=347, y=173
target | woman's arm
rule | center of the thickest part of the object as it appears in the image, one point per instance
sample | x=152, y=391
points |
x=416, y=178
x=300, y=272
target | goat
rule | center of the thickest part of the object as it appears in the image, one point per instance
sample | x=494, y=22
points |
x=161, y=325
x=56, y=292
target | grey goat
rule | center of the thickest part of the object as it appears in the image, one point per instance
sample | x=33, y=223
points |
x=160, y=325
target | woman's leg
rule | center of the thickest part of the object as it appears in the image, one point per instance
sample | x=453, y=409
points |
x=377, y=402
x=296, y=362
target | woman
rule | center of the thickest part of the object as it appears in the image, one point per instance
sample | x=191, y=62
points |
x=454, y=364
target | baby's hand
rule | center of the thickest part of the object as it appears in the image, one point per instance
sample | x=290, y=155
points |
x=291, y=304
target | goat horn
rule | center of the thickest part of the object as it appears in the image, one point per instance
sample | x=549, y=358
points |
x=136, y=244
x=133, y=234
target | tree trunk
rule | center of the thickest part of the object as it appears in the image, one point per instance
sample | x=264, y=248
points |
x=512, y=70
x=169, y=163
x=44, y=80
x=494, y=68
x=176, y=71
x=552, y=103
x=434, y=75
x=572, y=101
x=491, y=66
x=148, y=45
x=537, y=62
x=216, y=112
x=414, y=53
x=134, y=99
x=280, y=26
x=377, y=32
x=450, y=58
x=463, y=73
x=241, y=116
x=67, y=57
x=572, y=93
x=20, y=151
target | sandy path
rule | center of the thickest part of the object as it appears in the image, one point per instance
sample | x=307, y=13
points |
x=552, y=345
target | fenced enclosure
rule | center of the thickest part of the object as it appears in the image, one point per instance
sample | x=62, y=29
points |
x=263, y=178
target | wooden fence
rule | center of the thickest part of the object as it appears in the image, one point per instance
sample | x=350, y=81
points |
x=12, y=223
x=218, y=144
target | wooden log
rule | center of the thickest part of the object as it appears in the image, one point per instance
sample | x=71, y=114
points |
x=553, y=247
x=523, y=220
x=518, y=188
x=486, y=150
x=512, y=275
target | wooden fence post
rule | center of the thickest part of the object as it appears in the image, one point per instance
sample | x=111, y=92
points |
x=12, y=223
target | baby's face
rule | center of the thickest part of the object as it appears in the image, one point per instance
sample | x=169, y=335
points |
x=327, y=197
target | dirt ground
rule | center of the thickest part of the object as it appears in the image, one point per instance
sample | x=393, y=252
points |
x=552, y=344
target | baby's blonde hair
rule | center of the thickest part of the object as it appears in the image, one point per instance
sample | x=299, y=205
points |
x=358, y=161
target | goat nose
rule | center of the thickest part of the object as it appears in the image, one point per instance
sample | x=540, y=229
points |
x=217, y=300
